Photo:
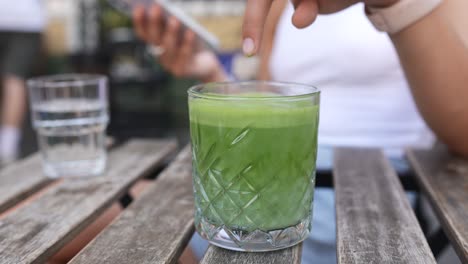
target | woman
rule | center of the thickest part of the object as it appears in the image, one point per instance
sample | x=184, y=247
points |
x=366, y=101
x=21, y=24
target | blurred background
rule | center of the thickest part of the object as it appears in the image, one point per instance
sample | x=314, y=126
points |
x=90, y=36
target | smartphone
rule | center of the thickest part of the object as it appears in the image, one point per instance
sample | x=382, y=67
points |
x=205, y=37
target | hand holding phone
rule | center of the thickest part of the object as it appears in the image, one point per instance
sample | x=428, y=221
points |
x=204, y=37
x=179, y=51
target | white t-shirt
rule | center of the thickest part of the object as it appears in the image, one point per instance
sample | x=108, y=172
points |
x=22, y=15
x=365, y=98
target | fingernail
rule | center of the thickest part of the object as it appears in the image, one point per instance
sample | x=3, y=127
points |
x=248, y=47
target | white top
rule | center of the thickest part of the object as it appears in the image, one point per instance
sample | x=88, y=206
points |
x=22, y=15
x=365, y=99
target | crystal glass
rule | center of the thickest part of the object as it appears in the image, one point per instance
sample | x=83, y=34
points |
x=254, y=150
x=69, y=113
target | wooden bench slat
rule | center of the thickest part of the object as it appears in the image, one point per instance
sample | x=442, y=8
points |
x=375, y=222
x=444, y=179
x=19, y=180
x=23, y=178
x=155, y=228
x=38, y=230
x=216, y=255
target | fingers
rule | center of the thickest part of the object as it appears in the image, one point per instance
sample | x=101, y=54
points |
x=149, y=26
x=155, y=25
x=170, y=41
x=139, y=22
x=256, y=13
x=185, y=55
x=305, y=14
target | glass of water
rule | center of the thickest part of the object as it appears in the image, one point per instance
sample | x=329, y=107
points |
x=70, y=114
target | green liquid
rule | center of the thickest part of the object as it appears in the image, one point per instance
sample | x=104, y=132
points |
x=253, y=163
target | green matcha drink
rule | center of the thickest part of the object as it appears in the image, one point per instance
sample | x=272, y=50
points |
x=253, y=161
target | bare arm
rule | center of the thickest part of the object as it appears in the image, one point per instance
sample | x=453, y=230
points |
x=434, y=55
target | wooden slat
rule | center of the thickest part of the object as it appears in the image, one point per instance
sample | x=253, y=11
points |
x=216, y=255
x=375, y=222
x=38, y=230
x=155, y=228
x=19, y=180
x=444, y=179
x=23, y=178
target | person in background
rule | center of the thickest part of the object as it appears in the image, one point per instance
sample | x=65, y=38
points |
x=366, y=99
x=21, y=24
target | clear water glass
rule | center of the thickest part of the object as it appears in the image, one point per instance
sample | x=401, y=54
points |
x=70, y=115
x=254, y=148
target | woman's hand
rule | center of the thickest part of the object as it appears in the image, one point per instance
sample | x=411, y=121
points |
x=181, y=54
x=305, y=14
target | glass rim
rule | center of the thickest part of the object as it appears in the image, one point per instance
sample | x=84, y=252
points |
x=65, y=80
x=195, y=91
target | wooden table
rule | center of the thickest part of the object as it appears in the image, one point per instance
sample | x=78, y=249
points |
x=375, y=222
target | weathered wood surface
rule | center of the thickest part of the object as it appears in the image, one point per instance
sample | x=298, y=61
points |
x=23, y=178
x=216, y=255
x=19, y=180
x=155, y=228
x=375, y=222
x=35, y=232
x=444, y=179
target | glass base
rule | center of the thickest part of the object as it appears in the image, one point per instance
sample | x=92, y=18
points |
x=255, y=241
x=78, y=168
